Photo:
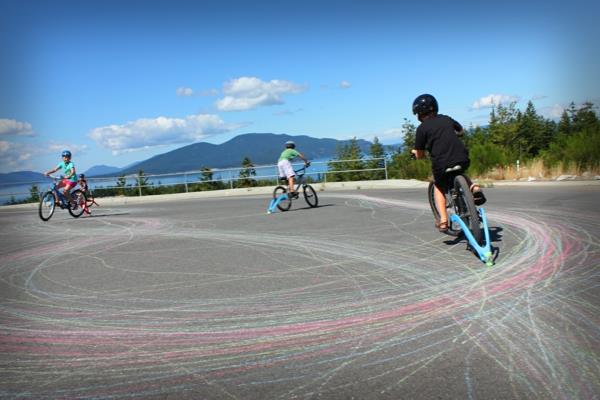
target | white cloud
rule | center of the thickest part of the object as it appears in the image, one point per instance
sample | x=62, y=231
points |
x=16, y=156
x=145, y=133
x=492, y=100
x=345, y=85
x=75, y=149
x=185, y=91
x=247, y=93
x=552, y=112
x=13, y=156
x=16, y=128
x=392, y=134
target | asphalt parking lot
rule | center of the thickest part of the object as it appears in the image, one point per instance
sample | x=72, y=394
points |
x=211, y=298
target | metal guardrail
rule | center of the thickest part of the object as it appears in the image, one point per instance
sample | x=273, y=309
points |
x=227, y=175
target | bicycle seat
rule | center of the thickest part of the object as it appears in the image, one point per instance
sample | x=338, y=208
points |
x=453, y=169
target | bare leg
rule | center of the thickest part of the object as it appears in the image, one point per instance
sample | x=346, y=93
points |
x=291, y=184
x=440, y=202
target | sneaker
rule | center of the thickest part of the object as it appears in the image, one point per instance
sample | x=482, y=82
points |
x=479, y=198
x=293, y=195
x=478, y=195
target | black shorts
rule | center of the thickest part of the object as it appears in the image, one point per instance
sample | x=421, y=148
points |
x=440, y=178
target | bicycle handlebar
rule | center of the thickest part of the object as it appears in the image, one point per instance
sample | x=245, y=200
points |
x=306, y=165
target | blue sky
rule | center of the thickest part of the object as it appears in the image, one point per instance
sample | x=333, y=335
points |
x=119, y=82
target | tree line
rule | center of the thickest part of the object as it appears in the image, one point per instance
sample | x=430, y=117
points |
x=512, y=135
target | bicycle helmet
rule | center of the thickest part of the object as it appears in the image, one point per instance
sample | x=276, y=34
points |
x=290, y=144
x=425, y=104
x=66, y=153
x=81, y=176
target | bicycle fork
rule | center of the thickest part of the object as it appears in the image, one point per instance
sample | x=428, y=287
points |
x=485, y=251
x=275, y=202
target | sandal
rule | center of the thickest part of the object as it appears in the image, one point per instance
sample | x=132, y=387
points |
x=478, y=195
x=442, y=226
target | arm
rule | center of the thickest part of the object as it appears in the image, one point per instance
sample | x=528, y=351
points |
x=419, y=154
x=458, y=128
x=52, y=171
x=420, y=143
x=302, y=158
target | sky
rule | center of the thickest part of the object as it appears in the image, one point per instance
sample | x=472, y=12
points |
x=118, y=82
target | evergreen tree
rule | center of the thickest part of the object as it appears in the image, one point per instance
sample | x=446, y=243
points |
x=34, y=194
x=348, y=158
x=504, y=128
x=246, y=174
x=409, y=133
x=564, y=125
x=376, y=151
x=121, y=182
x=533, y=135
x=585, y=118
x=208, y=183
x=141, y=181
x=581, y=146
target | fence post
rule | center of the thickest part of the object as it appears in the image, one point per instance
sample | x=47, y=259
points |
x=230, y=179
x=385, y=166
x=139, y=187
x=185, y=180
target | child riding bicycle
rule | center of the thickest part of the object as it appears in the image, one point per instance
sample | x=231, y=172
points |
x=438, y=134
x=284, y=165
x=69, y=179
x=83, y=185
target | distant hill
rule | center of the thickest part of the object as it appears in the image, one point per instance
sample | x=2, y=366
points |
x=101, y=170
x=19, y=177
x=261, y=148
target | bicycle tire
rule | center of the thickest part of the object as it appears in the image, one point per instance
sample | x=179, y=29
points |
x=310, y=195
x=47, y=206
x=283, y=205
x=89, y=199
x=454, y=228
x=80, y=200
x=466, y=209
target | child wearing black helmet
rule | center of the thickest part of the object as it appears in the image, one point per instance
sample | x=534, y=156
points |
x=438, y=134
x=83, y=184
x=284, y=165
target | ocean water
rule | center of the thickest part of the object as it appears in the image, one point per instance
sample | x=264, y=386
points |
x=22, y=191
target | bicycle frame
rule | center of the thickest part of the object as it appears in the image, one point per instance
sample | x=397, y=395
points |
x=458, y=203
x=63, y=200
x=309, y=193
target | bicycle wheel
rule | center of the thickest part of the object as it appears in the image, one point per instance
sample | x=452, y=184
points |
x=47, y=205
x=285, y=204
x=310, y=196
x=465, y=208
x=454, y=228
x=89, y=199
x=79, y=198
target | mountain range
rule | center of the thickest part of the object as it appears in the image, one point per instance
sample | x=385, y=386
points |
x=260, y=148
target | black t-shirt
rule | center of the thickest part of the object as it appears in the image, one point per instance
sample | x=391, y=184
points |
x=438, y=136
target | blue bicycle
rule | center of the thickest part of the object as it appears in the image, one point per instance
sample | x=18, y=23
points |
x=464, y=217
x=281, y=199
x=53, y=197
